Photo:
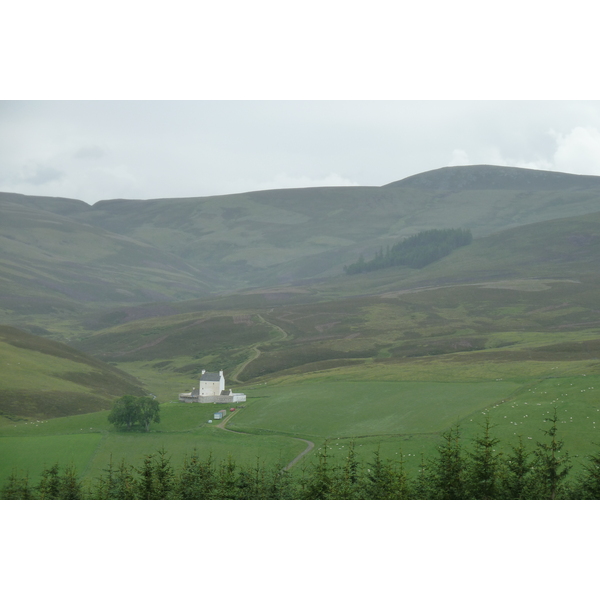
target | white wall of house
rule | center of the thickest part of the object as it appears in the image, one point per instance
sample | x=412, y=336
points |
x=212, y=388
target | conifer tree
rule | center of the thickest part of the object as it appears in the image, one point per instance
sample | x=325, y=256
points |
x=518, y=482
x=588, y=484
x=381, y=479
x=50, y=484
x=319, y=483
x=197, y=479
x=448, y=469
x=423, y=489
x=17, y=488
x=348, y=480
x=551, y=465
x=484, y=466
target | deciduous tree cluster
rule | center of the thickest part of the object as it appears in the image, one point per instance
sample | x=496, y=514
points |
x=128, y=411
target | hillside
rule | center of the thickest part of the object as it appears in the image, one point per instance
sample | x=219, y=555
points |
x=43, y=379
x=66, y=254
x=507, y=326
x=531, y=287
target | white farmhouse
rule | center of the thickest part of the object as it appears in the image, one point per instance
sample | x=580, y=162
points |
x=211, y=384
x=211, y=388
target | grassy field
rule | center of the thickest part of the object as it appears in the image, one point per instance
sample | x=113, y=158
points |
x=507, y=326
x=89, y=442
x=42, y=378
x=400, y=418
x=359, y=409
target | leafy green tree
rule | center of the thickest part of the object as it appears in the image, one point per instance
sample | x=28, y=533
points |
x=129, y=410
x=149, y=411
x=125, y=412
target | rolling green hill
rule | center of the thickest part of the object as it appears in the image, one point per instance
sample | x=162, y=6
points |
x=392, y=356
x=59, y=254
x=40, y=378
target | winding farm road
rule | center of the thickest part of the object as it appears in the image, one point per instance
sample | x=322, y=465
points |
x=309, y=445
x=282, y=336
x=236, y=373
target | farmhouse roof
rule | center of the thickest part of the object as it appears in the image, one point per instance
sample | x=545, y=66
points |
x=210, y=377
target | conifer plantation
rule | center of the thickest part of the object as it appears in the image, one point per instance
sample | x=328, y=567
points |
x=415, y=252
x=472, y=470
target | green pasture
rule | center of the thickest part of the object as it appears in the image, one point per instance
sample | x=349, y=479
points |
x=523, y=415
x=89, y=442
x=576, y=399
x=31, y=454
x=20, y=368
x=244, y=449
x=357, y=408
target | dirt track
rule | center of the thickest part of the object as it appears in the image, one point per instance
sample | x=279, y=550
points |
x=309, y=445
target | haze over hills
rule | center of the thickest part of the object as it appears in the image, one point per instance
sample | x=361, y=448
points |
x=63, y=252
x=209, y=282
x=149, y=293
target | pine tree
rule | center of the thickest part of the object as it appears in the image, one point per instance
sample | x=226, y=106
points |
x=423, y=489
x=50, y=484
x=381, y=479
x=448, y=470
x=197, y=479
x=588, y=484
x=551, y=465
x=319, y=483
x=70, y=487
x=484, y=466
x=517, y=482
x=347, y=481
x=17, y=488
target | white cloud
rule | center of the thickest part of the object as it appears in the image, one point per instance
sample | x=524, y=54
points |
x=578, y=151
x=459, y=158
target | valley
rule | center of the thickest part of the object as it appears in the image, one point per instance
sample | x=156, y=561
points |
x=140, y=296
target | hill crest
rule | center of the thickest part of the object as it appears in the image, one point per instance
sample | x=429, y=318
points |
x=473, y=177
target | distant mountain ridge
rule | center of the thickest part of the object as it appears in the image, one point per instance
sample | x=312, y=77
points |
x=474, y=177
x=63, y=252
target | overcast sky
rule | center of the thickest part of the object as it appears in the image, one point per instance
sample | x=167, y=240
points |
x=229, y=58
x=94, y=150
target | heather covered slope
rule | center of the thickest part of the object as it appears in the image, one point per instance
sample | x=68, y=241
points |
x=50, y=263
x=523, y=293
x=65, y=253
x=41, y=378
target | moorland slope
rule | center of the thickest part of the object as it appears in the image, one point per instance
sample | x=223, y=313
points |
x=63, y=253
